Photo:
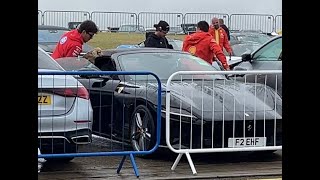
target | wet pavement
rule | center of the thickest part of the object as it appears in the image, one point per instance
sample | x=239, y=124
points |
x=209, y=166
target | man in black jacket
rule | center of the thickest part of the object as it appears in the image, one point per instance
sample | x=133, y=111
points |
x=221, y=22
x=158, y=39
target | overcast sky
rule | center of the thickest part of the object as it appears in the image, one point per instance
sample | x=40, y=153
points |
x=273, y=7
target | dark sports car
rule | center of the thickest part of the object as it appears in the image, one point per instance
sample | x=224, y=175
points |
x=49, y=36
x=125, y=107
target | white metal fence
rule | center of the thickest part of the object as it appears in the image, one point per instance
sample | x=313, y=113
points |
x=223, y=111
x=262, y=22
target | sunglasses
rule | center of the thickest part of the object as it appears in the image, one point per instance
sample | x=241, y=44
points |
x=91, y=35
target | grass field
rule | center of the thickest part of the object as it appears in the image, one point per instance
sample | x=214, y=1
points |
x=112, y=40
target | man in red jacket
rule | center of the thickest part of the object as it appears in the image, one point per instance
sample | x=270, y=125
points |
x=220, y=35
x=70, y=44
x=202, y=45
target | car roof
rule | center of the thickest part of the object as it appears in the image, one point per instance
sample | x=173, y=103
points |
x=110, y=52
x=47, y=27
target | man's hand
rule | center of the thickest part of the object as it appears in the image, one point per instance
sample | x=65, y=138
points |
x=92, y=55
x=226, y=67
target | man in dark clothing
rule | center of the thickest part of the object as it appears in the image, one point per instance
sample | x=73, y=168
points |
x=158, y=39
x=224, y=27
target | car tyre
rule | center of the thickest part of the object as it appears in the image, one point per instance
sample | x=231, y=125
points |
x=142, y=131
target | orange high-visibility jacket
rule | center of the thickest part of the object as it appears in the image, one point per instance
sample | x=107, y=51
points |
x=223, y=38
x=202, y=45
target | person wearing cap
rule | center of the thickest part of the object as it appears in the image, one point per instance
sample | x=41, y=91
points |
x=158, y=39
x=202, y=45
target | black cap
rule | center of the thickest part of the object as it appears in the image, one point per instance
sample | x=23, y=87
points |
x=163, y=26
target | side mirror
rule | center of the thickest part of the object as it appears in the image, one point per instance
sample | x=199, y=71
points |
x=101, y=83
x=246, y=57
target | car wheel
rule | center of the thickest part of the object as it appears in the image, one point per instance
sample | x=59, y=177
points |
x=142, y=132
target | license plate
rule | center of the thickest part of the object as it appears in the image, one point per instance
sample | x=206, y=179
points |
x=247, y=142
x=44, y=99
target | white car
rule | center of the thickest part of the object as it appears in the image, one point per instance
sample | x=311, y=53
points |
x=64, y=110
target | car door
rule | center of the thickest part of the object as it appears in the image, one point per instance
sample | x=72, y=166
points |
x=268, y=57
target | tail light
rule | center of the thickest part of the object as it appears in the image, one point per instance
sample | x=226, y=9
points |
x=80, y=92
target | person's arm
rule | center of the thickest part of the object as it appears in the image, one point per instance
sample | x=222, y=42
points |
x=219, y=54
x=169, y=46
x=74, y=51
x=226, y=43
x=228, y=33
x=149, y=42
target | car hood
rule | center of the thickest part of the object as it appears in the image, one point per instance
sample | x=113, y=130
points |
x=234, y=59
x=226, y=97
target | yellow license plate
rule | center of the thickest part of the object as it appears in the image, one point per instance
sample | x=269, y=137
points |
x=44, y=99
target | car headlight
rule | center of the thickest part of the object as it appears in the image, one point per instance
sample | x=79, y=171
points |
x=182, y=116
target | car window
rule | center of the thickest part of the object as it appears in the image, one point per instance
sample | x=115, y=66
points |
x=257, y=38
x=45, y=35
x=232, y=38
x=164, y=64
x=239, y=49
x=75, y=64
x=270, y=52
x=46, y=62
x=177, y=44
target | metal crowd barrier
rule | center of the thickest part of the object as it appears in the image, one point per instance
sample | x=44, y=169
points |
x=112, y=21
x=108, y=114
x=255, y=22
x=125, y=21
x=278, y=23
x=39, y=17
x=207, y=112
x=63, y=18
x=148, y=19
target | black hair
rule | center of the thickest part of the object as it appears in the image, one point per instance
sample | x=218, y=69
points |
x=203, y=26
x=221, y=21
x=88, y=26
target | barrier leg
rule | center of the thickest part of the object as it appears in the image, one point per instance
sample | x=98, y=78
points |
x=176, y=162
x=121, y=164
x=191, y=164
x=134, y=165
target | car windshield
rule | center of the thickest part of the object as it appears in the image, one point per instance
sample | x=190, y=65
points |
x=239, y=49
x=50, y=35
x=163, y=64
x=270, y=52
x=177, y=44
x=257, y=38
x=46, y=62
x=76, y=63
